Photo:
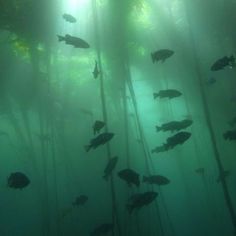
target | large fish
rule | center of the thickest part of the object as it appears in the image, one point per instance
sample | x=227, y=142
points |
x=69, y=18
x=221, y=63
x=18, y=180
x=174, y=125
x=140, y=200
x=130, y=176
x=161, y=55
x=74, y=41
x=168, y=93
x=101, y=139
x=176, y=139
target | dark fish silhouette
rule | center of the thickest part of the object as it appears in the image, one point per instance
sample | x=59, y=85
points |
x=168, y=93
x=80, y=200
x=130, y=176
x=158, y=149
x=176, y=139
x=18, y=180
x=140, y=200
x=156, y=179
x=223, y=62
x=69, y=18
x=230, y=135
x=175, y=125
x=110, y=167
x=101, y=139
x=74, y=41
x=102, y=229
x=161, y=55
x=96, y=72
x=97, y=126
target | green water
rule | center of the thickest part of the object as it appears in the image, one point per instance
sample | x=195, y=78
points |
x=49, y=101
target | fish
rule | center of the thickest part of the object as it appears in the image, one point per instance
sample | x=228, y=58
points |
x=156, y=179
x=168, y=93
x=161, y=55
x=176, y=139
x=18, y=180
x=96, y=72
x=80, y=200
x=102, y=229
x=232, y=122
x=158, y=149
x=140, y=200
x=97, y=126
x=230, y=135
x=69, y=18
x=200, y=170
x=174, y=125
x=86, y=112
x=110, y=167
x=130, y=176
x=223, y=175
x=223, y=62
x=74, y=41
x=101, y=139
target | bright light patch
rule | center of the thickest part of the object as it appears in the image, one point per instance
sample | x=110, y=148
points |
x=73, y=4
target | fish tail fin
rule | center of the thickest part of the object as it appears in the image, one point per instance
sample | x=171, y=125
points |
x=158, y=128
x=87, y=147
x=60, y=38
x=144, y=178
x=155, y=95
x=153, y=57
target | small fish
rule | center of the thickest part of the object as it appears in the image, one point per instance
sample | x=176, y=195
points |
x=102, y=229
x=156, y=179
x=140, y=200
x=110, y=167
x=168, y=93
x=223, y=175
x=161, y=55
x=97, y=126
x=174, y=125
x=74, y=41
x=80, y=200
x=130, y=176
x=96, y=72
x=101, y=139
x=200, y=170
x=69, y=18
x=158, y=149
x=18, y=180
x=230, y=135
x=176, y=139
x=223, y=62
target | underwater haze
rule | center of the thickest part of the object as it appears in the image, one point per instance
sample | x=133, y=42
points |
x=117, y=118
